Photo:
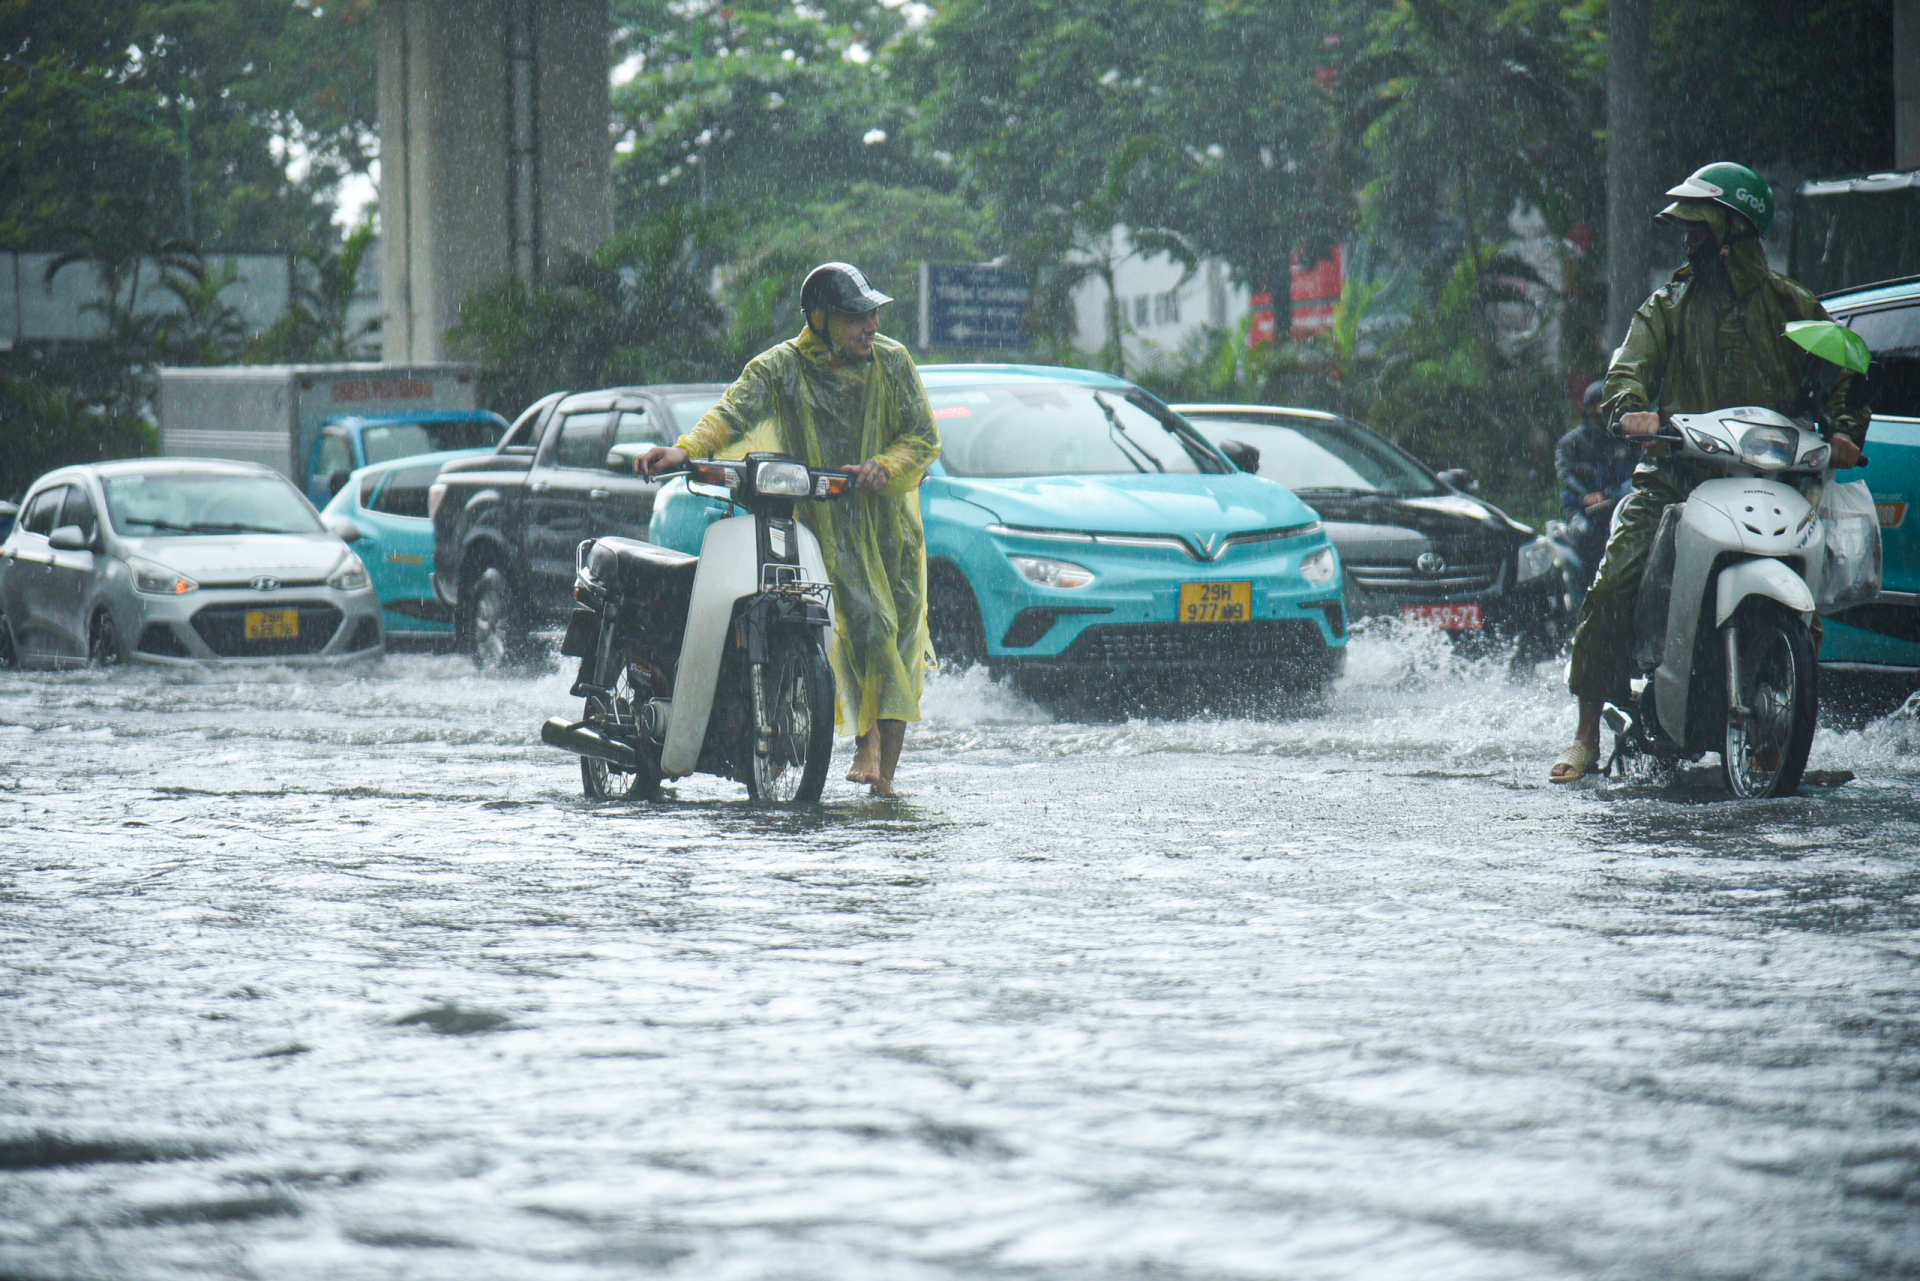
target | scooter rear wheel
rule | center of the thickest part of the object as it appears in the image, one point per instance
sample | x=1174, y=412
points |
x=799, y=696
x=1765, y=752
x=604, y=781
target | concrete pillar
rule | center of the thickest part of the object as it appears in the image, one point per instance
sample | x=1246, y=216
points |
x=495, y=158
x=1906, y=84
x=1631, y=186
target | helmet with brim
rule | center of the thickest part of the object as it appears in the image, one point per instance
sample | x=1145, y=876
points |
x=840, y=287
x=1735, y=187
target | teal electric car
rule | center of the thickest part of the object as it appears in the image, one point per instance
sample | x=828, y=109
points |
x=1084, y=538
x=382, y=511
x=1882, y=637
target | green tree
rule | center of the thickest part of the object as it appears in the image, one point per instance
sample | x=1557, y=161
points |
x=635, y=312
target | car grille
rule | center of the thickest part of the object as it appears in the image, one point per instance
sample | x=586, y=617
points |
x=1405, y=580
x=224, y=629
x=1210, y=644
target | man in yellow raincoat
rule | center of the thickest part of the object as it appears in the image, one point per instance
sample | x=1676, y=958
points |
x=840, y=395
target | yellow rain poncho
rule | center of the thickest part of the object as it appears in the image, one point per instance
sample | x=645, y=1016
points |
x=788, y=400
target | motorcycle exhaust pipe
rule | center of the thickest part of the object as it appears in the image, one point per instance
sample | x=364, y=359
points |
x=574, y=736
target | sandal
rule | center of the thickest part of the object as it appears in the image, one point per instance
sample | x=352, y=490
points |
x=1579, y=760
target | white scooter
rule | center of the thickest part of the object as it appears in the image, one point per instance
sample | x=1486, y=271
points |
x=715, y=663
x=1724, y=620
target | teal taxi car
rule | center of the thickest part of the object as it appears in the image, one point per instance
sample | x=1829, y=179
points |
x=1084, y=539
x=1882, y=638
x=382, y=511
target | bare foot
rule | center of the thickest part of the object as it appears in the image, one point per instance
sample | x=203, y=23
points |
x=862, y=772
x=881, y=787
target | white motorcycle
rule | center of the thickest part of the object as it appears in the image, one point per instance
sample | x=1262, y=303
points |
x=1723, y=625
x=715, y=663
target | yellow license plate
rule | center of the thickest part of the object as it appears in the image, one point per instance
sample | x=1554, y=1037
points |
x=1216, y=602
x=273, y=624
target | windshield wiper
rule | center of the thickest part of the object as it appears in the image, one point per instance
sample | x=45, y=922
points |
x=1336, y=489
x=232, y=527
x=1122, y=439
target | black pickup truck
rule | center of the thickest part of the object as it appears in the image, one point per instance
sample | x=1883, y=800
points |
x=505, y=524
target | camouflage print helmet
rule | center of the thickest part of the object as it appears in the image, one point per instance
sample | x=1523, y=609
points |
x=840, y=287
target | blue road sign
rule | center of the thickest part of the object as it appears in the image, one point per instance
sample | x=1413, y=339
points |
x=973, y=305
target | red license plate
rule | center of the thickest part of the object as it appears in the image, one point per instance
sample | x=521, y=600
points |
x=1448, y=618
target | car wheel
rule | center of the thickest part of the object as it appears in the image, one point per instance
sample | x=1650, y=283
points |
x=953, y=619
x=103, y=641
x=494, y=631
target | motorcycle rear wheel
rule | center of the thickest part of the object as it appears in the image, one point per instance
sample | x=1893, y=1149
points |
x=799, y=696
x=603, y=780
x=1765, y=753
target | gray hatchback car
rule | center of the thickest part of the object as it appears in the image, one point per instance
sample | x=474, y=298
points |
x=176, y=560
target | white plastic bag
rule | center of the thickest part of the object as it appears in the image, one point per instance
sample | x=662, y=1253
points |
x=1851, y=571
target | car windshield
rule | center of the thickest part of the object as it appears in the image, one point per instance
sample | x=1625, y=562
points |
x=687, y=411
x=388, y=441
x=1058, y=429
x=207, y=503
x=1331, y=456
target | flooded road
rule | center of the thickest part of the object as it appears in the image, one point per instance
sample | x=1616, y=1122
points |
x=336, y=975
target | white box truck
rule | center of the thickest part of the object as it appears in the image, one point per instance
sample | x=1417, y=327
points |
x=272, y=414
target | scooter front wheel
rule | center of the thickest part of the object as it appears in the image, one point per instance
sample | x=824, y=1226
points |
x=789, y=765
x=1765, y=749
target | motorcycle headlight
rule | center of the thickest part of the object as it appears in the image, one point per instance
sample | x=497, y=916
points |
x=1769, y=448
x=1536, y=560
x=350, y=576
x=155, y=579
x=783, y=480
x=1051, y=573
x=1318, y=566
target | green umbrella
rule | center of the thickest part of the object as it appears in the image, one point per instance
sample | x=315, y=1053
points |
x=1831, y=341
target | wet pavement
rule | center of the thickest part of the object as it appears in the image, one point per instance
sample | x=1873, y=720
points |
x=334, y=974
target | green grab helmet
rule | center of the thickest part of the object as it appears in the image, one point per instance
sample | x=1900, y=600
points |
x=1734, y=186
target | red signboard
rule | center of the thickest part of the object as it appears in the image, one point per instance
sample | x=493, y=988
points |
x=1316, y=291
x=358, y=389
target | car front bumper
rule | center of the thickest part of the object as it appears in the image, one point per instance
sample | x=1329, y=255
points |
x=303, y=624
x=1129, y=617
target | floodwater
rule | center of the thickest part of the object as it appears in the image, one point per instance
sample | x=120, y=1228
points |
x=313, y=974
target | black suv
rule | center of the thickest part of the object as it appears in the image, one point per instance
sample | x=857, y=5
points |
x=1416, y=544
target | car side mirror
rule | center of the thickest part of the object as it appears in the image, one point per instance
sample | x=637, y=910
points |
x=1241, y=455
x=343, y=529
x=336, y=483
x=68, y=538
x=620, y=457
x=1461, y=479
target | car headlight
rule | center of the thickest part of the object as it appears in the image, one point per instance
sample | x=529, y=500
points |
x=1051, y=573
x=1536, y=560
x=350, y=576
x=783, y=480
x=155, y=579
x=1318, y=566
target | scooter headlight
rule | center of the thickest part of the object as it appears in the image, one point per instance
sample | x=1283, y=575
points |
x=1769, y=448
x=155, y=579
x=783, y=480
x=349, y=576
x=1043, y=572
x=1536, y=560
x=1317, y=567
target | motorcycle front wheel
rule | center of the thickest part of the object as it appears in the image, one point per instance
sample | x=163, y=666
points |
x=790, y=767
x=1765, y=751
x=618, y=716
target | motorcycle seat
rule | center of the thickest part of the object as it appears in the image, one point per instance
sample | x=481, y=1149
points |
x=634, y=567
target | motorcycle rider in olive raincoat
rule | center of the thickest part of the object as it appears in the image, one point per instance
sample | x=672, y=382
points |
x=840, y=395
x=1711, y=338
